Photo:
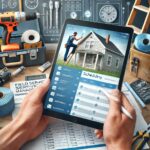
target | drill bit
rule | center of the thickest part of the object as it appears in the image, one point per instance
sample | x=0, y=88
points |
x=51, y=13
x=57, y=9
x=47, y=19
x=44, y=14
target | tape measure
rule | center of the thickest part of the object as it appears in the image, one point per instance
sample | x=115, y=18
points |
x=142, y=43
x=7, y=104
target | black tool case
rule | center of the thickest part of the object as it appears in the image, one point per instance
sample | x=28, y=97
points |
x=26, y=57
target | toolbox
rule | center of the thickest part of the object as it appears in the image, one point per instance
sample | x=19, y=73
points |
x=26, y=57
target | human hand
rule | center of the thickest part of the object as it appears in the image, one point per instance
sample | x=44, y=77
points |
x=31, y=111
x=29, y=123
x=118, y=128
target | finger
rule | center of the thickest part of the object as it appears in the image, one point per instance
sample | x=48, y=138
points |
x=115, y=106
x=41, y=90
x=99, y=133
x=99, y=136
x=96, y=131
x=128, y=106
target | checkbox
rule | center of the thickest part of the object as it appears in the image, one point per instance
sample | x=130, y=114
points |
x=49, y=106
x=52, y=94
x=51, y=99
x=58, y=73
x=56, y=79
x=59, y=68
x=54, y=87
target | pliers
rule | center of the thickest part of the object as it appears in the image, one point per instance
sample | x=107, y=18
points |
x=140, y=139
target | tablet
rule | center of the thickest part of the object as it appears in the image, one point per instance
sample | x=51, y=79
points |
x=90, y=56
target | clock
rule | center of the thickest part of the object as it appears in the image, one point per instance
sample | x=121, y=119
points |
x=108, y=13
x=31, y=4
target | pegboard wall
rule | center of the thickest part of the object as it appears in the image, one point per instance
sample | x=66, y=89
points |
x=55, y=12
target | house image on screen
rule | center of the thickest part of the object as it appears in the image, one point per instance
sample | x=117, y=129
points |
x=98, y=53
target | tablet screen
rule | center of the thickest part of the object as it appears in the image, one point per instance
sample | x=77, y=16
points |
x=88, y=59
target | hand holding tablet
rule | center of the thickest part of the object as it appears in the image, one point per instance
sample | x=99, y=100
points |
x=116, y=100
x=84, y=69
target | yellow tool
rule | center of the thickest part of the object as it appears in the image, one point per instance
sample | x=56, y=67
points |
x=141, y=138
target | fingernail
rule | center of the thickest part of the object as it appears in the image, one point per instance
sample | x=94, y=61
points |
x=98, y=136
x=46, y=81
x=95, y=131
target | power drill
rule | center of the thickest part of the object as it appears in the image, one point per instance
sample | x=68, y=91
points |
x=9, y=21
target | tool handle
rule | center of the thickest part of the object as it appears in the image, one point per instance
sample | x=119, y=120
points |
x=4, y=78
x=32, y=16
x=13, y=63
x=136, y=138
x=6, y=36
x=8, y=29
x=138, y=135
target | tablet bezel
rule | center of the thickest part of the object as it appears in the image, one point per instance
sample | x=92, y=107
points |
x=121, y=29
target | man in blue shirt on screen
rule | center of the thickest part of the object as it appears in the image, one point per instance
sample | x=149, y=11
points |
x=70, y=44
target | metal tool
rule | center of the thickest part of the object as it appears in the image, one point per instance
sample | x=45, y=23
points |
x=123, y=15
x=128, y=7
x=45, y=66
x=18, y=71
x=5, y=76
x=141, y=138
x=57, y=11
x=44, y=14
x=135, y=65
x=51, y=14
x=47, y=19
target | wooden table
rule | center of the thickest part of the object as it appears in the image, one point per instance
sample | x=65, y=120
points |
x=34, y=71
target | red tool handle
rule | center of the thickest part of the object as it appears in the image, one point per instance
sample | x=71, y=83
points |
x=8, y=29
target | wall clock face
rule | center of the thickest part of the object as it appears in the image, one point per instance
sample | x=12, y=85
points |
x=31, y=4
x=108, y=13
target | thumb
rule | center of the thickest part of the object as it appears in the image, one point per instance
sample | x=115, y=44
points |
x=40, y=91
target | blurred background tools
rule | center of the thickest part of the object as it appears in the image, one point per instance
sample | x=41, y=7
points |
x=31, y=49
x=9, y=21
x=45, y=66
x=6, y=75
x=141, y=138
